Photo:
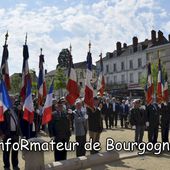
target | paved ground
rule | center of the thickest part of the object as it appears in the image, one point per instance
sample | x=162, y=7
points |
x=148, y=162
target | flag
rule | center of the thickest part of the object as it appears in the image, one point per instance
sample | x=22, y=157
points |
x=88, y=98
x=101, y=81
x=42, y=92
x=28, y=104
x=160, y=84
x=4, y=66
x=150, y=87
x=47, y=109
x=72, y=86
x=25, y=72
x=5, y=102
x=166, y=95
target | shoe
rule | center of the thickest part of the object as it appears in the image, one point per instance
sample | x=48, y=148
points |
x=16, y=168
x=7, y=169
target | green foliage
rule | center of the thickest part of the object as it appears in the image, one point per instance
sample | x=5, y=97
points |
x=60, y=79
x=15, y=84
x=154, y=70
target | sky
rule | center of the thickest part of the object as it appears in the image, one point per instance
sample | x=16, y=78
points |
x=54, y=24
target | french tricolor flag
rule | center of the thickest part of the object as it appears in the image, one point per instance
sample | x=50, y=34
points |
x=4, y=66
x=25, y=72
x=88, y=98
x=160, y=84
x=72, y=86
x=47, y=110
x=150, y=87
x=166, y=95
x=28, y=104
x=5, y=102
x=101, y=81
x=41, y=81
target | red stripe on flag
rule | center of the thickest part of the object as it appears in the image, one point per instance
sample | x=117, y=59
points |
x=1, y=114
x=28, y=116
x=88, y=99
x=149, y=94
x=159, y=93
x=47, y=115
x=73, y=90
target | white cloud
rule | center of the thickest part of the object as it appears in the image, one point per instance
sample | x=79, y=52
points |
x=53, y=28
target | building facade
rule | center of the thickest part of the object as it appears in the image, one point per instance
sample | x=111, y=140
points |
x=80, y=69
x=124, y=67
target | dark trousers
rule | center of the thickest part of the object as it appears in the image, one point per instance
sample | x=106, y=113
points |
x=108, y=121
x=123, y=119
x=165, y=131
x=80, y=150
x=153, y=134
x=14, y=154
x=139, y=132
x=115, y=117
x=60, y=155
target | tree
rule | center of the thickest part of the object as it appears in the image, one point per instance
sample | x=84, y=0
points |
x=63, y=58
x=15, y=83
x=154, y=70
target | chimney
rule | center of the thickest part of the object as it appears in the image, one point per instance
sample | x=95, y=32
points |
x=118, y=48
x=160, y=36
x=153, y=37
x=135, y=44
x=124, y=45
x=45, y=71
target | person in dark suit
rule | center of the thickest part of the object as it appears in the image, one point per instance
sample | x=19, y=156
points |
x=165, y=121
x=10, y=129
x=59, y=128
x=95, y=122
x=116, y=109
x=124, y=111
x=107, y=111
x=138, y=120
x=153, y=116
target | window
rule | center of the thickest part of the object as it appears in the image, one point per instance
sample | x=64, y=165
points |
x=81, y=75
x=122, y=78
x=107, y=80
x=139, y=62
x=130, y=64
x=139, y=76
x=114, y=67
x=107, y=68
x=122, y=66
x=81, y=84
x=115, y=79
x=131, y=78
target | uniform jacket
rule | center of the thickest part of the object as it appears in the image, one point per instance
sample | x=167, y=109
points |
x=138, y=117
x=94, y=120
x=59, y=126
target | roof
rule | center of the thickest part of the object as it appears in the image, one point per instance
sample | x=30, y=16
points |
x=83, y=65
x=125, y=51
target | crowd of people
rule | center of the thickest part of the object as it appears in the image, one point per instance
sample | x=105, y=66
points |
x=108, y=112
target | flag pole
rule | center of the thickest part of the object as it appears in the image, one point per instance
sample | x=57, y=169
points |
x=26, y=38
x=89, y=46
x=6, y=37
x=40, y=123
